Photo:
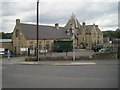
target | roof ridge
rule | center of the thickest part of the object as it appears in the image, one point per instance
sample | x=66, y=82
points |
x=40, y=25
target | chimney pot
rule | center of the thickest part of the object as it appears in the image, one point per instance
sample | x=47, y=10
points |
x=57, y=25
x=17, y=21
x=83, y=23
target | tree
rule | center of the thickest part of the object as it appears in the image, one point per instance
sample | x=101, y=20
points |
x=111, y=34
x=5, y=35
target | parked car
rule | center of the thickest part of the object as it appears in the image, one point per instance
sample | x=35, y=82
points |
x=103, y=50
x=97, y=47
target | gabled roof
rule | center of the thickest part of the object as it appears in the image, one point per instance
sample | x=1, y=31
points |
x=45, y=32
x=99, y=31
x=73, y=23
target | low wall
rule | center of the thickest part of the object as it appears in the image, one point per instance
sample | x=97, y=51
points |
x=68, y=58
x=104, y=56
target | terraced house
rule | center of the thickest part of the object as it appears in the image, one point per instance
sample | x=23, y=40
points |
x=24, y=35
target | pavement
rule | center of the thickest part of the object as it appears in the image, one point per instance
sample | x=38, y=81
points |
x=63, y=63
x=21, y=61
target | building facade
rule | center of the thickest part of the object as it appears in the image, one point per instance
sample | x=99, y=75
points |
x=24, y=35
x=6, y=44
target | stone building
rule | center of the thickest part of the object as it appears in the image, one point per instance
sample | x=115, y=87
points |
x=86, y=35
x=6, y=44
x=24, y=35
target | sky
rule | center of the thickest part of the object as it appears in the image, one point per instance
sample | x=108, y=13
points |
x=103, y=13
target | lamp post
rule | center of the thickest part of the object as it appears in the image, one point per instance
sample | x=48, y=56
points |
x=37, y=30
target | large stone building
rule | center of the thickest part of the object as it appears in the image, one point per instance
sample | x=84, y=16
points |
x=24, y=35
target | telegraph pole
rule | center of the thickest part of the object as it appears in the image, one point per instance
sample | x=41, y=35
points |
x=73, y=38
x=37, y=30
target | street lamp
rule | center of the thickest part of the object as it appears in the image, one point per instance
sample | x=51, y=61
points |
x=37, y=30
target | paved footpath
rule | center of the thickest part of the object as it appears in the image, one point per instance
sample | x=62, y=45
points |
x=21, y=61
x=13, y=60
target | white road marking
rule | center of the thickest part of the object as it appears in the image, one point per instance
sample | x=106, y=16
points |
x=2, y=67
x=77, y=63
x=28, y=62
x=83, y=63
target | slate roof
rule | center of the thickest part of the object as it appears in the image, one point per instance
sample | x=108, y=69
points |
x=45, y=32
x=89, y=28
x=73, y=23
x=99, y=31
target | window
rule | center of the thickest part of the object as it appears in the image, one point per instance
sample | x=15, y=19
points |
x=47, y=44
x=83, y=38
x=31, y=45
x=97, y=42
x=94, y=35
x=40, y=45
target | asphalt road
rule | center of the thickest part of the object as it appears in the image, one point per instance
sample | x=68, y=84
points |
x=101, y=75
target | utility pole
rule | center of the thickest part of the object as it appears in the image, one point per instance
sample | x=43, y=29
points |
x=37, y=30
x=73, y=38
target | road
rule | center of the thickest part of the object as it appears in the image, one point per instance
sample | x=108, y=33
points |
x=102, y=75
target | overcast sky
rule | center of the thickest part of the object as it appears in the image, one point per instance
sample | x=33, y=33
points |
x=104, y=14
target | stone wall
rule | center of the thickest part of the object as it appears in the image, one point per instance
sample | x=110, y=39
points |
x=6, y=45
x=105, y=56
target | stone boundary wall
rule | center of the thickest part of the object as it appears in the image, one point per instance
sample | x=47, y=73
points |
x=104, y=56
x=97, y=56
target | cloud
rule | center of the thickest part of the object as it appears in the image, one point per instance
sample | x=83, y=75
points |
x=102, y=13
x=61, y=0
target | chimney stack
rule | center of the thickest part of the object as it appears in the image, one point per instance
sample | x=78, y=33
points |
x=83, y=23
x=94, y=24
x=57, y=25
x=17, y=21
